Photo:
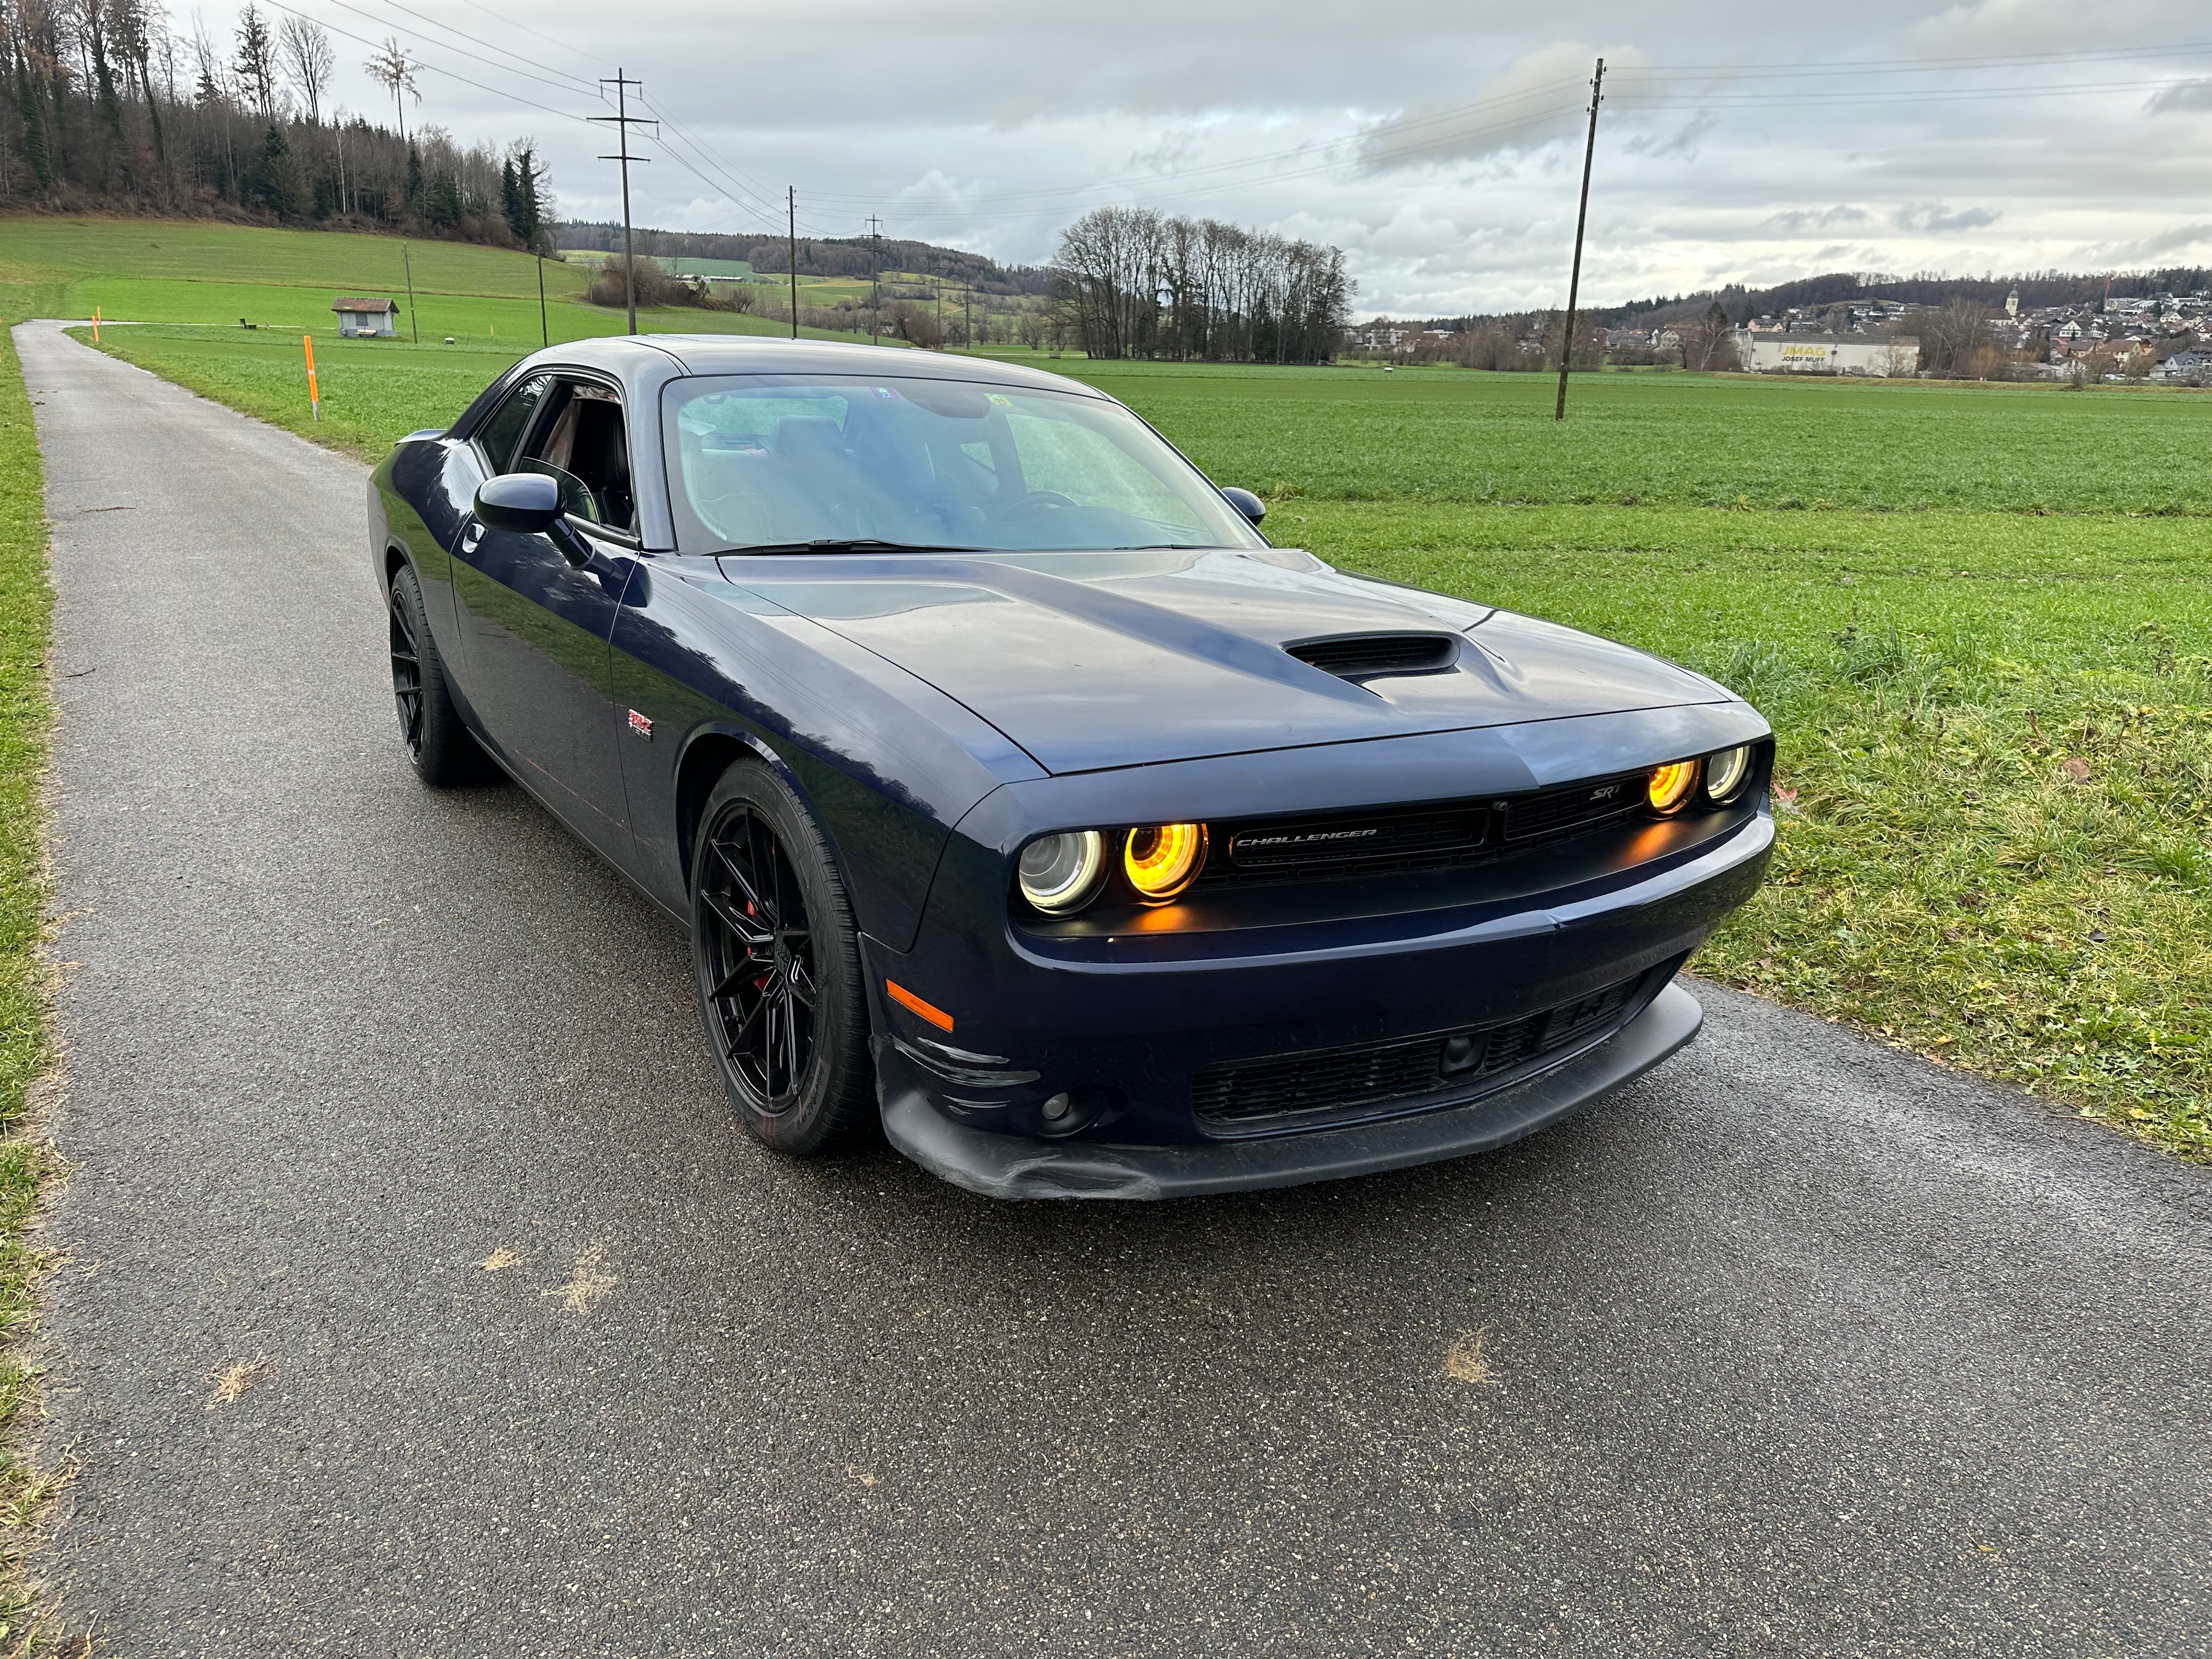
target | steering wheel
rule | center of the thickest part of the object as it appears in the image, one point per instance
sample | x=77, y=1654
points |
x=1037, y=505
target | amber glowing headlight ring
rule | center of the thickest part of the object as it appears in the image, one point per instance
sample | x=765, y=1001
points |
x=1670, y=787
x=1060, y=874
x=1726, y=773
x=1161, y=860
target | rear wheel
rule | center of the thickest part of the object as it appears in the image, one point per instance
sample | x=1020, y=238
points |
x=437, y=742
x=778, y=962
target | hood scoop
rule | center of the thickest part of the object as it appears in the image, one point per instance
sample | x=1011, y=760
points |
x=1368, y=656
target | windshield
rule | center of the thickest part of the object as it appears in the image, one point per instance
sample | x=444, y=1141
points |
x=781, y=461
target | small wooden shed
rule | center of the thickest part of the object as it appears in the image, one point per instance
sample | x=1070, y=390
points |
x=358, y=318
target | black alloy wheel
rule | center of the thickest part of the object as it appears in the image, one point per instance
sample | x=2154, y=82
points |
x=406, y=675
x=437, y=742
x=778, y=965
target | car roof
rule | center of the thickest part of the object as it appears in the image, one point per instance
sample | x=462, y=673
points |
x=741, y=354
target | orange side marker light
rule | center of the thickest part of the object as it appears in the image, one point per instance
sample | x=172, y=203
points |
x=913, y=1004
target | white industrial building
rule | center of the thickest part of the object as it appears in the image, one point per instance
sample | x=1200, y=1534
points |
x=1773, y=352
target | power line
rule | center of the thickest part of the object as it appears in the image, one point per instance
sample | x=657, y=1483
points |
x=576, y=80
x=1927, y=65
x=423, y=62
x=1957, y=95
x=569, y=84
x=516, y=23
x=1456, y=112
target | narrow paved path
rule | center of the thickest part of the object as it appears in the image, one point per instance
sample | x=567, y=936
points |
x=1799, y=1346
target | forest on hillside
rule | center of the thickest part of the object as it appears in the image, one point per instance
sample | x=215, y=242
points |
x=109, y=108
x=821, y=258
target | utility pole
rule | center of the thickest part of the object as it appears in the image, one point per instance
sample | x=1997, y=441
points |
x=875, y=279
x=1582, y=218
x=791, y=228
x=622, y=121
x=544, y=331
x=968, y=319
x=408, y=265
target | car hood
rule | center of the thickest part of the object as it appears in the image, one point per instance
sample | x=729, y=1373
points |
x=1091, y=660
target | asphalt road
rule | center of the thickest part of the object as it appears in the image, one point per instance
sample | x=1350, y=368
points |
x=1799, y=1346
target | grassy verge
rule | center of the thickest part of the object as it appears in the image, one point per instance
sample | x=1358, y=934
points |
x=26, y=613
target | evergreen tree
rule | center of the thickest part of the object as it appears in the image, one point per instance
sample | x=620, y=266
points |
x=273, y=181
x=257, y=63
x=413, y=197
x=443, y=209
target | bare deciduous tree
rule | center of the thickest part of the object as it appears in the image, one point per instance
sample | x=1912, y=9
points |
x=309, y=61
x=1133, y=283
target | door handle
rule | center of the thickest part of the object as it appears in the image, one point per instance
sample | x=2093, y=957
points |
x=471, y=536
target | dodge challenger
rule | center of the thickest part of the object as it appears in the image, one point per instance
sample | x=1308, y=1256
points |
x=1020, y=796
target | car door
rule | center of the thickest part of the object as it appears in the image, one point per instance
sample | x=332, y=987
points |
x=535, y=627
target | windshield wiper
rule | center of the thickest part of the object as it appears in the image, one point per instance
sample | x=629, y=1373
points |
x=836, y=544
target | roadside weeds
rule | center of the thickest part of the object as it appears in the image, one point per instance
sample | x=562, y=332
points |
x=30, y=1171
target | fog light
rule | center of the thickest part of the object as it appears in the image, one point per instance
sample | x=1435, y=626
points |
x=1161, y=860
x=1057, y=1108
x=1670, y=785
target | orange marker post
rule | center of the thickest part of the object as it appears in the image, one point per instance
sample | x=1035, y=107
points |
x=315, y=397
x=95, y=325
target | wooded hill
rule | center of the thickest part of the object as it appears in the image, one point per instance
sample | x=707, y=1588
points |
x=824, y=257
x=111, y=110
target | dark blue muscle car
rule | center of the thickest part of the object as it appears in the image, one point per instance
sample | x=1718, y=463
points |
x=1019, y=796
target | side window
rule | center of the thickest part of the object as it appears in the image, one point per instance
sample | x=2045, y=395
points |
x=583, y=444
x=498, y=436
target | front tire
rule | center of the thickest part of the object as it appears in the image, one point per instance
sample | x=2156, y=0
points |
x=437, y=742
x=778, y=962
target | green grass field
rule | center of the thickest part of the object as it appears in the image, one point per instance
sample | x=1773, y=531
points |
x=167, y=271
x=1979, y=616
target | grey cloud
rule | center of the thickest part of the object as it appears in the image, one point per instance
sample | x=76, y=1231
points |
x=1682, y=146
x=1933, y=218
x=2190, y=95
x=1798, y=222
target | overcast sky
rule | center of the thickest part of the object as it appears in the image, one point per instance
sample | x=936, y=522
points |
x=1438, y=144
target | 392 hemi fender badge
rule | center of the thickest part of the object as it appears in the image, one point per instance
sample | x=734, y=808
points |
x=643, y=726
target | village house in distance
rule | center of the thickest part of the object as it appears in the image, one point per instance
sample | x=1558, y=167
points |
x=2161, y=336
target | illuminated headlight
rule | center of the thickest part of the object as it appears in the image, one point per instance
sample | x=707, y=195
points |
x=1670, y=785
x=1725, y=774
x=1060, y=873
x=1161, y=860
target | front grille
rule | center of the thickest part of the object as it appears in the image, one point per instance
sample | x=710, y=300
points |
x=1412, y=837
x=1350, y=1082
x=1366, y=655
x=1579, y=806
x=1355, y=844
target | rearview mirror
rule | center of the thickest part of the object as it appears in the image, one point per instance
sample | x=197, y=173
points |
x=1246, y=502
x=524, y=503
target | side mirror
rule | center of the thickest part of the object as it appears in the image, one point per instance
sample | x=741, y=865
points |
x=524, y=503
x=529, y=504
x=1246, y=502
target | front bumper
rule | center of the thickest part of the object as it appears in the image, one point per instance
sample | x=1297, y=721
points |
x=1011, y=1167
